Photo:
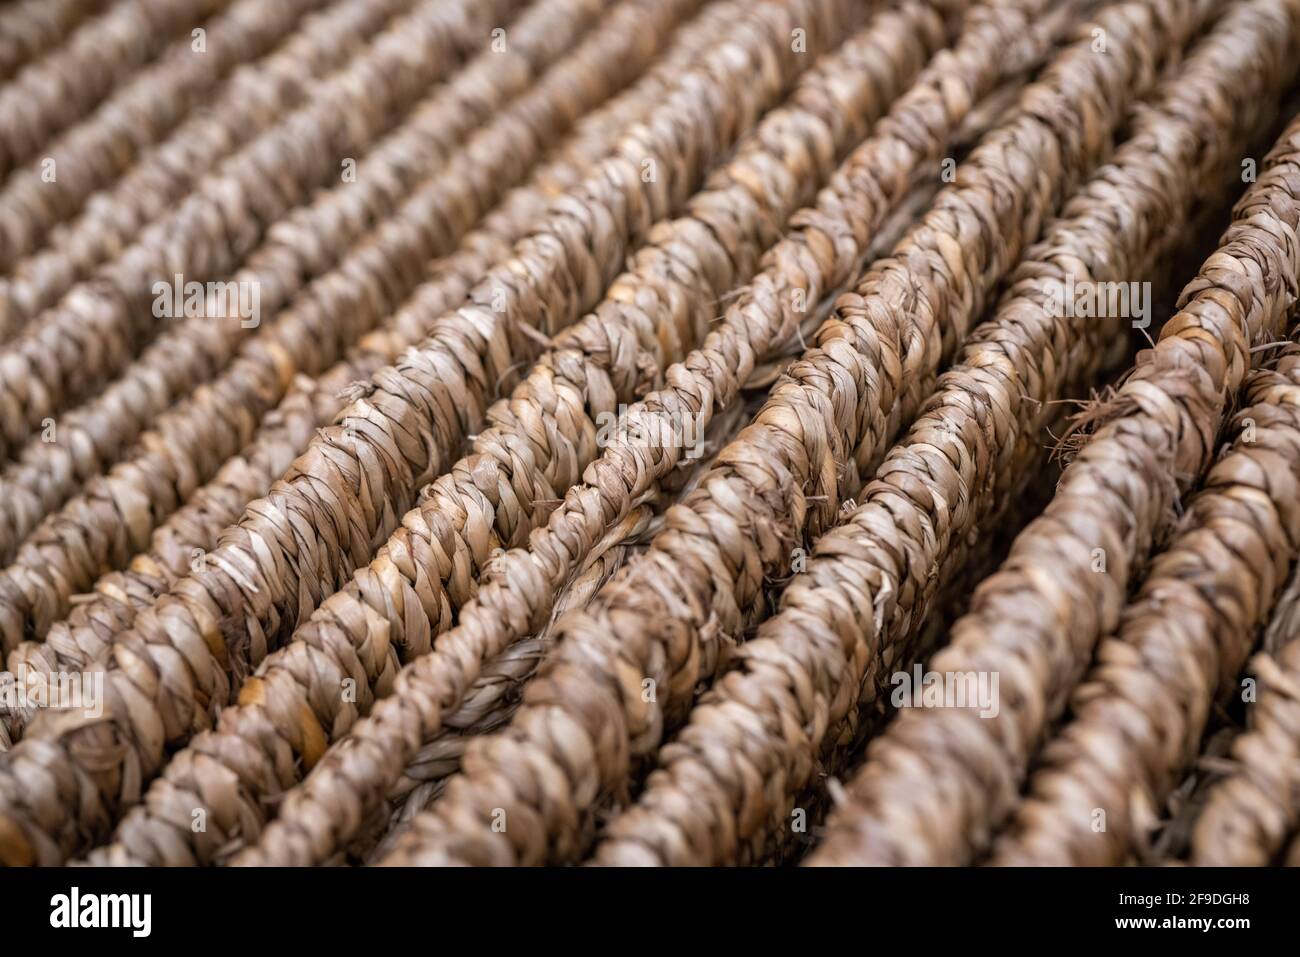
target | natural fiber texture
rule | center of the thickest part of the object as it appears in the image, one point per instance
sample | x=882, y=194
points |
x=89, y=632
x=1036, y=621
x=256, y=96
x=92, y=334
x=98, y=150
x=316, y=328
x=544, y=434
x=1252, y=814
x=497, y=692
x=1137, y=719
x=672, y=627
x=346, y=492
x=448, y=282
x=180, y=544
x=501, y=432
x=792, y=696
x=31, y=27
x=305, y=243
x=59, y=89
x=359, y=771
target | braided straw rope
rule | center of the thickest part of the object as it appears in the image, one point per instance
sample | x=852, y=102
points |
x=176, y=546
x=1171, y=841
x=359, y=774
x=196, y=347
x=256, y=96
x=57, y=90
x=99, y=325
x=87, y=634
x=323, y=519
x=1252, y=812
x=31, y=27
x=98, y=150
x=670, y=627
x=661, y=300
x=109, y=520
x=493, y=697
x=732, y=777
x=1137, y=721
x=1036, y=621
x=495, y=693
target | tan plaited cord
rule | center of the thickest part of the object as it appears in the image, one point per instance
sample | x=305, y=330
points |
x=730, y=781
x=344, y=495
x=1036, y=622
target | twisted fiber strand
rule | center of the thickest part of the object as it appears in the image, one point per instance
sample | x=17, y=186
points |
x=76, y=643
x=1252, y=813
x=449, y=283
x=98, y=150
x=59, y=89
x=95, y=435
x=1137, y=720
x=787, y=844
x=565, y=408
x=593, y=139
x=494, y=696
x=653, y=621
x=104, y=526
x=31, y=27
x=1035, y=622
x=99, y=325
x=255, y=97
x=1172, y=841
x=299, y=677
x=762, y=736
x=345, y=493
x=357, y=776
x=88, y=632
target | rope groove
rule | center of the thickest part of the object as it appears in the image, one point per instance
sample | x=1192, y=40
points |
x=543, y=434
x=340, y=499
x=791, y=695
x=1037, y=620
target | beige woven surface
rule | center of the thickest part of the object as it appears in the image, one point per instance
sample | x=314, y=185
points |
x=1115, y=496
x=315, y=327
x=661, y=305
x=54, y=92
x=256, y=95
x=33, y=27
x=78, y=345
x=637, y=389
x=613, y=206
x=793, y=693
